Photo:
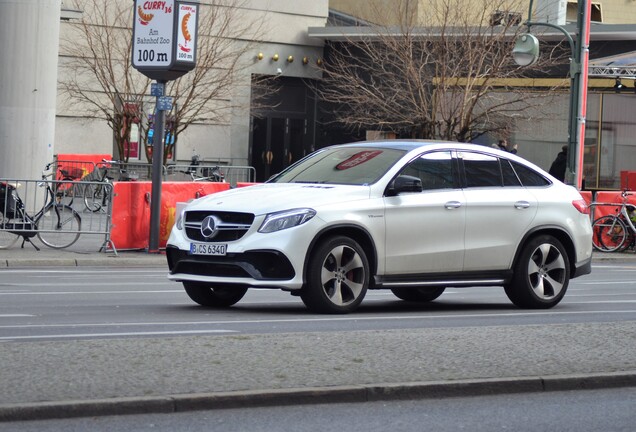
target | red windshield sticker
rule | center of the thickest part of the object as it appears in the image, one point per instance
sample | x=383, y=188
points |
x=358, y=159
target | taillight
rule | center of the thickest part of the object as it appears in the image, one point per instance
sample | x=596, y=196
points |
x=581, y=206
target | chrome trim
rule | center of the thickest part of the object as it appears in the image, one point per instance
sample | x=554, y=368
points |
x=220, y=226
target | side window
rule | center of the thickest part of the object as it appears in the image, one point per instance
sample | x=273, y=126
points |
x=509, y=176
x=528, y=176
x=435, y=169
x=481, y=170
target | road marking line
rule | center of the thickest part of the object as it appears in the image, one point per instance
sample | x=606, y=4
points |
x=330, y=319
x=77, y=335
x=15, y=315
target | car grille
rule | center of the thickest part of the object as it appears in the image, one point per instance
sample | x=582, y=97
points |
x=259, y=265
x=230, y=226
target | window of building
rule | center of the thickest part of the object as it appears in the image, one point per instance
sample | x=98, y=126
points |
x=572, y=9
x=503, y=18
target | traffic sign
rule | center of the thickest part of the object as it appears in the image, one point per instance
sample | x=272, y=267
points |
x=164, y=103
x=152, y=39
x=164, y=38
x=156, y=89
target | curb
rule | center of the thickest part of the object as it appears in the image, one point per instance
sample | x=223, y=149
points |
x=313, y=395
x=87, y=261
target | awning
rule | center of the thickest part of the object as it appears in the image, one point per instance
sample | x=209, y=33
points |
x=620, y=65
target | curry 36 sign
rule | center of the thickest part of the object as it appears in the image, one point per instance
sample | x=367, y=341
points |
x=164, y=38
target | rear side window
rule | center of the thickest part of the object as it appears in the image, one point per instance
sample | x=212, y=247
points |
x=481, y=170
x=528, y=176
x=509, y=176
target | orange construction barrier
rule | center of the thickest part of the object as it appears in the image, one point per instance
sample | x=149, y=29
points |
x=131, y=209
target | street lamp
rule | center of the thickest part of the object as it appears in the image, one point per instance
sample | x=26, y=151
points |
x=526, y=52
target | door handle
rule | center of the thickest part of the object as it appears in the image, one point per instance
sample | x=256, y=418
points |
x=452, y=205
x=522, y=205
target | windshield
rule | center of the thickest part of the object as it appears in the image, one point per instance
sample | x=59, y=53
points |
x=342, y=165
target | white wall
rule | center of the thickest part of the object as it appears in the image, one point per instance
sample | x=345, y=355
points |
x=29, y=32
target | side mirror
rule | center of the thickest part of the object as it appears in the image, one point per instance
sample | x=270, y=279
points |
x=404, y=183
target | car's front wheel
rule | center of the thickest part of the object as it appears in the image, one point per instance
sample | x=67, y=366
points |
x=421, y=294
x=214, y=296
x=541, y=274
x=337, y=276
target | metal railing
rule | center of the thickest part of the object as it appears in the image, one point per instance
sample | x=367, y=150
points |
x=69, y=194
x=118, y=170
x=74, y=170
x=232, y=174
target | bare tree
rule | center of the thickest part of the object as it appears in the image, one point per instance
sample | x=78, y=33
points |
x=99, y=76
x=444, y=74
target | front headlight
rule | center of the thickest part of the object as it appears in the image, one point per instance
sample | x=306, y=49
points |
x=286, y=219
x=180, y=210
x=180, y=218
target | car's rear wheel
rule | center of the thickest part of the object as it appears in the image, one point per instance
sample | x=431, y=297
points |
x=421, y=294
x=337, y=276
x=214, y=295
x=541, y=274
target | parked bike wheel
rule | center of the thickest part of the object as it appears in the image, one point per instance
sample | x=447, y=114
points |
x=59, y=227
x=7, y=239
x=94, y=197
x=609, y=233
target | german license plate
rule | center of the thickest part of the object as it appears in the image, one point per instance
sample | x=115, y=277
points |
x=208, y=249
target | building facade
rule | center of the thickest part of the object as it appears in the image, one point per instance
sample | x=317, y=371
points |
x=286, y=125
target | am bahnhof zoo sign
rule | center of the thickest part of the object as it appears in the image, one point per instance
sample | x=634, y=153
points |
x=164, y=48
x=164, y=38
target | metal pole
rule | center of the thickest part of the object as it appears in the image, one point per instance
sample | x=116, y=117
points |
x=578, y=89
x=157, y=171
x=583, y=44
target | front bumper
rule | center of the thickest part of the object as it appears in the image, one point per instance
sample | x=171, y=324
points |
x=264, y=266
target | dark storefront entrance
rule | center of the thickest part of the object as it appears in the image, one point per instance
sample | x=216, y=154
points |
x=283, y=131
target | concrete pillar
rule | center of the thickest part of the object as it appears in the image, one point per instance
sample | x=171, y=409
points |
x=29, y=31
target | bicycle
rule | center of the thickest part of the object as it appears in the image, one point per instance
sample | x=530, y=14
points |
x=615, y=232
x=56, y=225
x=97, y=194
x=211, y=174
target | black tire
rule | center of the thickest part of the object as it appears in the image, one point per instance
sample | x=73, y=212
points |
x=420, y=294
x=541, y=274
x=214, y=296
x=93, y=197
x=7, y=239
x=609, y=234
x=60, y=227
x=337, y=276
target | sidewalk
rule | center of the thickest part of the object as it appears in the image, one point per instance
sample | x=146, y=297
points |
x=118, y=376
x=85, y=252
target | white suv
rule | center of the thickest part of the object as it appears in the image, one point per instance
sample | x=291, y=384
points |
x=410, y=216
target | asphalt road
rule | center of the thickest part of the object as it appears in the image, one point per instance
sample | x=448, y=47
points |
x=90, y=303
x=94, y=341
